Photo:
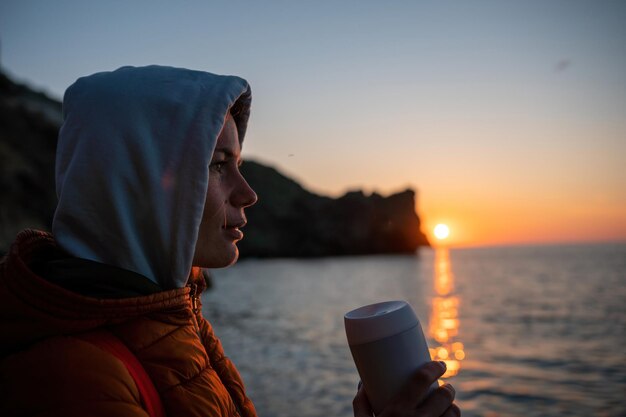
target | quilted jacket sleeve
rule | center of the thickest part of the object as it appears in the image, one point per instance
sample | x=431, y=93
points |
x=225, y=368
x=67, y=377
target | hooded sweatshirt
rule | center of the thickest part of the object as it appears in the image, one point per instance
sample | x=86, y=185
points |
x=132, y=165
x=132, y=173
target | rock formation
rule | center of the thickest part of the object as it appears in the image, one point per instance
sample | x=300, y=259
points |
x=291, y=221
x=29, y=124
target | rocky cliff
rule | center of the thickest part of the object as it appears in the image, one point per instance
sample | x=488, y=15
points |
x=29, y=123
x=288, y=221
x=291, y=221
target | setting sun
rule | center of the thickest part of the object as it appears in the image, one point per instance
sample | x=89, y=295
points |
x=441, y=231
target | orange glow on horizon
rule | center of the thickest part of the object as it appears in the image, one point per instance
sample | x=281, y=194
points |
x=514, y=226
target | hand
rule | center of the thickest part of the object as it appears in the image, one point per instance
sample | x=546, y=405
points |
x=414, y=400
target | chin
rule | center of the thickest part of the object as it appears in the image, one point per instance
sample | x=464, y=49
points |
x=232, y=260
x=224, y=258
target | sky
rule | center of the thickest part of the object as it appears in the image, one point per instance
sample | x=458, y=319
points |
x=507, y=117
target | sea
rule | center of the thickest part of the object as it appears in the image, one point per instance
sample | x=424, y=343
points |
x=525, y=330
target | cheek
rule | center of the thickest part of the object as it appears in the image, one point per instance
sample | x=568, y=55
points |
x=213, y=213
x=213, y=205
x=214, y=190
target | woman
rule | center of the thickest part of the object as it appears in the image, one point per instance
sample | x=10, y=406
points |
x=150, y=192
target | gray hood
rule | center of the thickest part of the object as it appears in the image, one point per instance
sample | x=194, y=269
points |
x=132, y=165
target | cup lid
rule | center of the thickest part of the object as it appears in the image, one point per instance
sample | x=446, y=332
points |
x=377, y=321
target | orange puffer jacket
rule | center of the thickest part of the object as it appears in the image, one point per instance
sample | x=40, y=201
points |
x=46, y=371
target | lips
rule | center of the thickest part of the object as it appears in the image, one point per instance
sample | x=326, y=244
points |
x=232, y=230
x=238, y=224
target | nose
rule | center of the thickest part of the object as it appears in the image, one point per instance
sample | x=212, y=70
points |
x=243, y=195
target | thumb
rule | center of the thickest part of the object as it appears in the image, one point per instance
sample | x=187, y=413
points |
x=361, y=404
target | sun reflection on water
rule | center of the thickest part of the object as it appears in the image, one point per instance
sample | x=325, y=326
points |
x=443, y=326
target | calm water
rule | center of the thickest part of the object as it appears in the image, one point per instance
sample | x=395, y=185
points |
x=526, y=331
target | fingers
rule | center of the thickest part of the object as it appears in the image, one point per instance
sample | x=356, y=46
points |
x=361, y=404
x=417, y=388
x=440, y=403
x=416, y=392
x=452, y=411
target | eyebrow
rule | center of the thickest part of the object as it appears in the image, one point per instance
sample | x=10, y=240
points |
x=228, y=152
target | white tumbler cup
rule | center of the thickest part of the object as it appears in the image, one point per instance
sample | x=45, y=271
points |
x=388, y=345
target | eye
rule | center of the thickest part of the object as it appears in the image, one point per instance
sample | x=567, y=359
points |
x=217, y=166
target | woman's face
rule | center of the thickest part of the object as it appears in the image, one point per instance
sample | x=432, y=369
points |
x=228, y=194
